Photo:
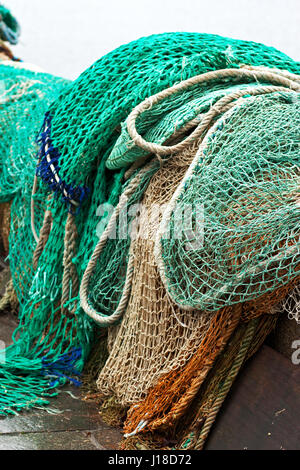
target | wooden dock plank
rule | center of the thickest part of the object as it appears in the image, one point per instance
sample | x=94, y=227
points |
x=262, y=411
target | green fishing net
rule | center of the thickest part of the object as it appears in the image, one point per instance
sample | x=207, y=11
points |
x=246, y=180
x=24, y=98
x=169, y=118
x=85, y=119
x=80, y=130
x=241, y=203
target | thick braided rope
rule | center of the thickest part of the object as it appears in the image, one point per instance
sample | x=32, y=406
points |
x=34, y=188
x=249, y=334
x=8, y=298
x=224, y=106
x=257, y=74
x=177, y=134
x=43, y=238
x=70, y=281
x=283, y=73
x=104, y=320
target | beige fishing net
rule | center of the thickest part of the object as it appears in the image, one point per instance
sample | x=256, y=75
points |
x=155, y=336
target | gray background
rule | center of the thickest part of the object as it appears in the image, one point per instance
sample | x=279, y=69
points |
x=64, y=37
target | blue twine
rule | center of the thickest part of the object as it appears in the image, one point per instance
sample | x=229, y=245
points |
x=64, y=364
x=43, y=170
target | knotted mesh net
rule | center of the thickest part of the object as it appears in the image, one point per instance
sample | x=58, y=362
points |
x=246, y=179
x=57, y=219
x=155, y=336
x=141, y=361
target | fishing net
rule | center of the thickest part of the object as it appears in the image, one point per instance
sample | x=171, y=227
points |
x=7, y=21
x=169, y=400
x=142, y=348
x=291, y=305
x=84, y=121
x=245, y=341
x=58, y=217
x=190, y=432
x=25, y=97
x=250, y=199
x=140, y=352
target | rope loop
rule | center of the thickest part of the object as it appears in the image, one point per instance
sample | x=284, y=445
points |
x=101, y=319
x=283, y=81
x=70, y=281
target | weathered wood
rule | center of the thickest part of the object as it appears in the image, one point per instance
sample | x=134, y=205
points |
x=286, y=332
x=262, y=411
x=77, y=425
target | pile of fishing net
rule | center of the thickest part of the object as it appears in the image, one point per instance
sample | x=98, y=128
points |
x=165, y=209
x=207, y=271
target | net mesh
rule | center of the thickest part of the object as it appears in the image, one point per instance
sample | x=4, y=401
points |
x=169, y=400
x=172, y=117
x=185, y=434
x=154, y=337
x=139, y=356
x=291, y=305
x=24, y=99
x=85, y=118
x=76, y=158
x=190, y=429
x=246, y=179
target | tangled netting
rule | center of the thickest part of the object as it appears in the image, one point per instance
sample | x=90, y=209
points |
x=248, y=172
x=291, y=305
x=103, y=96
x=25, y=97
x=154, y=354
x=94, y=155
x=137, y=357
x=161, y=353
x=171, y=396
x=155, y=336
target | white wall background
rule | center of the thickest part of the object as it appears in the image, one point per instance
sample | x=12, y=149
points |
x=64, y=37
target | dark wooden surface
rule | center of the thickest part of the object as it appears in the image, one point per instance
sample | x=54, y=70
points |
x=262, y=411
x=70, y=424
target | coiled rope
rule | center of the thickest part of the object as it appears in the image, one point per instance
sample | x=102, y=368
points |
x=283, y=81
